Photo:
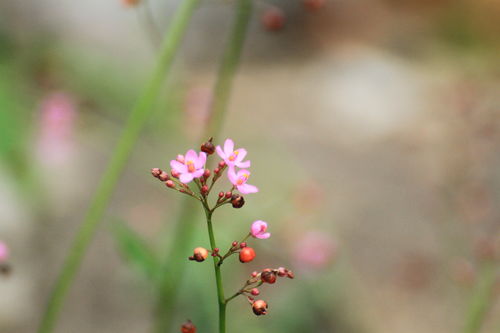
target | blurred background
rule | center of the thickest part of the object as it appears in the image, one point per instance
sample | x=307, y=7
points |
x=373, y=127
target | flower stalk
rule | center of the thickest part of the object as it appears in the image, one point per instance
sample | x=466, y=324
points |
x=130, y=134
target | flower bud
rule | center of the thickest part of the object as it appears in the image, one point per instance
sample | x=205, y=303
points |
x=237, y=201
x=259, y=307
x=204, y=189
x=228, y=194
x=282, y=271
x=156, y=172
x=163, y=176
x=199, y=254
x=254, y=274
x=208, y=147
x=234, y=244
x=273, y=19
x=216, y=170
x=268, y=276
x=206, y=174
x=243, y=244
x=188, y=327
x=222, y=164
x=221, y=194
x=170, y=184
x=247, y=254
x=255, y=291
x=175, y=174
x=290, y=274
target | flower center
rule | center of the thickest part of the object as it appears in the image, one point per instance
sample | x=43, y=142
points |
x=234, y=155
x=190, y=166
x=242, y=179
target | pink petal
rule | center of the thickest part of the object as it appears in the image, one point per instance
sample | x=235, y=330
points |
x=233, y=178
x=220, y=152
x=247, y=189
x=200, y=162
x=4, y=252
x=242, y=172
x=264, y=235
x=242, y=152
x=198, y=173
x=178, y=166
x=191, y=155
x=228, y=147
x=245, y=164
x=186, y=177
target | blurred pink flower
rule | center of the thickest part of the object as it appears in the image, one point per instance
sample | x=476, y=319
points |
x=231, y=156
x=191, y=167
x=239, y=180
x=4, y=252
x=56, y=127
x=315, y=250
x=258, y=230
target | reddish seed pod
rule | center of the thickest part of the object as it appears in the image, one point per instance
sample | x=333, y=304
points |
x=188, y=327
x=255, y=291
x=237, y=201
x=259, y=307
x=163, y=176
x=222, y=164
x=208, y=147
x=273, y=19
x=243, y=244
x=247, y=254
x=170, y=184
x=199, y=254
x=268, y=277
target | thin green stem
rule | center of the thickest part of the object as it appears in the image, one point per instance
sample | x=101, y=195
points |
x=482, y=299
x=171, y=275
x=131, y=132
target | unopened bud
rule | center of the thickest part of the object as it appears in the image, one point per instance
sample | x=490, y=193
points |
x=156, y=172
x=216, y=170
x=221, y=194
x=235, y=243
x=222, y=164
x=255, y=291
x=228, y=194
x=175, y=174
x=290, y=274
x=268, y=277
x=170, y=184
x=259, y=307
x=282, y=271
x=254, y=274
x=163, y=176
x=206, y=173
x=208, y=147
x=243, y=244
x=237, y=201
x=188, y=327
x=204, y=189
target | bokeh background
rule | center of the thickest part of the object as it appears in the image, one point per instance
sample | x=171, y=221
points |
x=373, y=127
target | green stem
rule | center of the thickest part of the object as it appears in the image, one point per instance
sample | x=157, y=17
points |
x=131, y=132
x=172, y=274
x=482, y=300
x=218, y=276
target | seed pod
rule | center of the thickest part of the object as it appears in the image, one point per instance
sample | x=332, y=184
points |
x=208, y=147
x=237, y=201
x=268, y=277
x=259, y=307
x=199, y=254
x=247, y=254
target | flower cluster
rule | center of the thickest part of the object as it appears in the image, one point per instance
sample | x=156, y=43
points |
x=191, y=168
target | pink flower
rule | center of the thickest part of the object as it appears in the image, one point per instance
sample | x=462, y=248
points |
x=258, y=230
x=315, y=250
x=192, y=166
x=4, y=252
x=233, y=157
x=239, y=180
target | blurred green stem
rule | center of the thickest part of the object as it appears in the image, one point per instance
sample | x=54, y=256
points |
x=131, y=132
x=482, y=299
x=172, y=273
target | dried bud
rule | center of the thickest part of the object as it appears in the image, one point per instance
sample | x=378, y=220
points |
x=188, y=327
x=255, y=291
x=314, y=5
x=156, y=172
x=208, y=147
x=243, y=244
x=237, y=201
x=170, y=184
x=273, y=19
x=163, y=176
x=259, y=307
x=247, y=254
x=268, y=276
x=199, y=254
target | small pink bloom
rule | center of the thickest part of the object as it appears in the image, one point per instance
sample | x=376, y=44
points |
x=240, y=181
x=258, y=230
x=192, y=166
x=315, y=250
x=4, y=252
x=231, y=156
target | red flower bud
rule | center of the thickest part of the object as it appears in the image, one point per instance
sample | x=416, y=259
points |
x=170, y=184
x=247, y=254
x=273, y=19
x=290, y=274
x=254, y=274
x=235, y=243
x=222, y=164
x=228, y=194
x=163, y=176
x=156, y=172
x=221, y=194
x=188, y=327
x=206, y=173
x=216, y=170
x=204, y=189
x=243, y=244
x=255, y=291
x=259, y=307
x=282, y=271
x=174, y=174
